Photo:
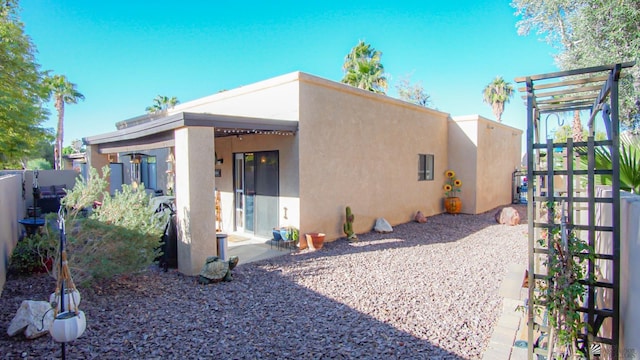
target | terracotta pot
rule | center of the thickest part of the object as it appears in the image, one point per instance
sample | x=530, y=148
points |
x=315, y=240
x=453, y=205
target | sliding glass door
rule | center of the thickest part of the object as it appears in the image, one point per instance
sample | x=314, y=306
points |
x=256, y=177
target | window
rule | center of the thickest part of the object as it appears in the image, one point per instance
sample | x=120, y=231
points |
x=425, y=167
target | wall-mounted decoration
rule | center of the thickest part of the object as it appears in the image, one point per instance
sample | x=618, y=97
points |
x=218, y=172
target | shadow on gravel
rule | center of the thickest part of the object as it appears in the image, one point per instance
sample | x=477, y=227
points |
x=262, y=314
x=130, y=318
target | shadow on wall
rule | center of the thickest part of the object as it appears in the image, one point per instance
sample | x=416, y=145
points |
x=462, y=158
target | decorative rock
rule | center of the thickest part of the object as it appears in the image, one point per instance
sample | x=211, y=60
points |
x=216, y=269
x=508, y=216
x=33, y=317
x=382, y=226
x=420, y=217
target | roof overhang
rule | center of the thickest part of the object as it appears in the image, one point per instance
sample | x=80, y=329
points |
x=159, y=133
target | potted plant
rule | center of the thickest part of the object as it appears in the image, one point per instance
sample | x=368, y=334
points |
x=290, y=233
x=314, y=240
x=276, y=234
x=452, y=186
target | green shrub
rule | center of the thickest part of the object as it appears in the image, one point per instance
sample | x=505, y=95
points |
x=39, y=164
x=26, y=257
x=119, y=236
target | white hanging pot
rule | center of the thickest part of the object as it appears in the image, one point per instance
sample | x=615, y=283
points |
x=71, y=298
x=68, y=326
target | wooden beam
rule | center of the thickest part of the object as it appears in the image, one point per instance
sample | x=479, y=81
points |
x=588, y=70
x=588, y=80
x=583, y=106
x=567, y=99
x=575, y=90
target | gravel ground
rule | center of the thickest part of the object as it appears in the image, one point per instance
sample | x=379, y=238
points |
x=425, y=291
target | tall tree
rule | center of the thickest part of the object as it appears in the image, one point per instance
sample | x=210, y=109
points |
x=363, y=69
x=591, y=33
x=162, y=103
x=413, y=93
x=63, y=92
x=22, y=95
x=496, y=94
x=576, y=127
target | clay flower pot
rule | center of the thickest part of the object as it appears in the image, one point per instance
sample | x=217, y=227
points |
x=453, y=205
x=315, y=240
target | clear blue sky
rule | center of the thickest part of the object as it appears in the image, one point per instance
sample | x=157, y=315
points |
x=121, y=54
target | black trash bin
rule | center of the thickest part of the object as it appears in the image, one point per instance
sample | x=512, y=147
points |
x=169, y=258
x=169, y=247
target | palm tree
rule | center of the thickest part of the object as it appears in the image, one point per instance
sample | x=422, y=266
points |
x=363, y=69
x=64, y=92
x=629, y=162
x=162, y=103
x=496, y=94
x=576, y=127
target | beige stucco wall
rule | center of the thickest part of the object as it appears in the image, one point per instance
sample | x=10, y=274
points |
x=195, y=199
x=361, y=149
x=275, y=98
x=629, y=281
x=462, y=158
x=13, y=205
x=48, y=178
x=629, y=270
x=12, y=209
x=484, y=154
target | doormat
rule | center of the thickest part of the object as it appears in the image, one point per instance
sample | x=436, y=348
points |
x=237, y=238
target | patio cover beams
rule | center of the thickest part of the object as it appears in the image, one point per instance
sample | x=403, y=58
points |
x=159, y=133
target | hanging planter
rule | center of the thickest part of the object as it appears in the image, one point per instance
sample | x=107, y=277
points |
x=68, y=326
x=72, y=296
x=69, y=322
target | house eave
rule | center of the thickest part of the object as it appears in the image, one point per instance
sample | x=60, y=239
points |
x=159, y=132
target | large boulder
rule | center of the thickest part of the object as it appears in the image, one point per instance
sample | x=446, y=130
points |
x=34, y=318
x=508, y=216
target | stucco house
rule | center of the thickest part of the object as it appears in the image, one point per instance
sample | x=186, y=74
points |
x=297, y=149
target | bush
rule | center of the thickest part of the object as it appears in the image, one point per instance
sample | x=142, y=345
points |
x=121, y=235
x=39, y=164
x=26, y=257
